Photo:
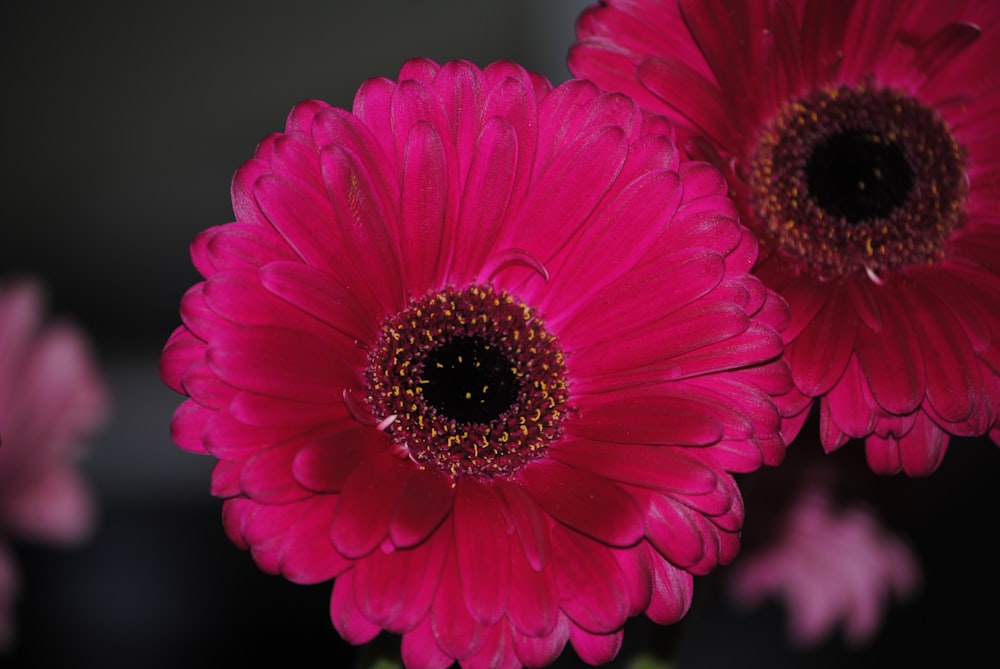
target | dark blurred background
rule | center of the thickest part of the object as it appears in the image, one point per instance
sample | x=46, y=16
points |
x=123, y=123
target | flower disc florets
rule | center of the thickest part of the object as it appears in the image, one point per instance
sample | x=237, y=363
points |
x=858, y=179
x=474, y=382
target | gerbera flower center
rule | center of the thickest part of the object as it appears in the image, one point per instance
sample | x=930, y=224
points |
x=858, y=180
x=471, y=381
x=858, y=175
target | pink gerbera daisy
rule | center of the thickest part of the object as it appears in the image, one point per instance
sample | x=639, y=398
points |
x=51, y=398
x=861, y=145
x=484, y=351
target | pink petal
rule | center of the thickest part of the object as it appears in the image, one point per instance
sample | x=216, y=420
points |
x=849, y=404
x=892, y=360
x=324, y=464
x=307, y=554
x=952, y=369
x=685, y=90
x=267, y=476
x=542, y=651
x=282, y=363
x=628, y=304
x=420, y=649
x=755, y=345
x=226, y=478
x=338, y=127
x=832, y=436
x=344, y=613
x=673, y=530
x=345, y=309
x=423, y=504
x=595, y=57
x=188, y=426
x=613, y=232
x=267, y=411
x=513, y=99
x=372, y=107
x=532, y=606
x=301, y=117
x=661, y=468
x=497, y=651
x=740, y=400
x=199, y=319
x=482, y=550
x=819, y=353
x=423, y=208
x=236, y=513
x=304, y=220
x=567, y=193
x=635, y=565
x=484, y=204
x=242, y=245
x=689, y=329
x=241, y=191
x=823, y=34
x=414, y=102
x=265, y=527
x=672, y=592
x=730, y=40
x=596, y=649
x=708, y=222
x=922, y=449
x=181, y=350
x=563, y=120
x=586, y=502
x=592, y=589
x=367, y=501
x=364, y=223
x=457, y=633
x=461, y=86
x=229, y=439
x=529, y=521
x=863, y=296
x=639, y=418
x=202, y=386
x=883, y=454
x=395, y=589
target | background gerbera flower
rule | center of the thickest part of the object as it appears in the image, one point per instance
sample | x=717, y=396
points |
x=485, y=352
x=52, y=397
x=832, y=566
x=860, y=142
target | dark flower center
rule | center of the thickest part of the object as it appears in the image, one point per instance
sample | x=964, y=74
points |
x=858, y=175
x=860, y=179
x=470, y=381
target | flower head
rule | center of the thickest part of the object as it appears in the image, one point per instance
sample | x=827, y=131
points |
x=859, y=140
x=51, y=397
x=830, y=566
x=485, y=352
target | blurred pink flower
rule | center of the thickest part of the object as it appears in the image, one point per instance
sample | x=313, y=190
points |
x=830, y=566
x=51, y=398
x=861, y=144
x=485, y=351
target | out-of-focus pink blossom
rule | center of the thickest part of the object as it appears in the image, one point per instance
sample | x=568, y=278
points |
x=830, y=566
x=51, y=397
